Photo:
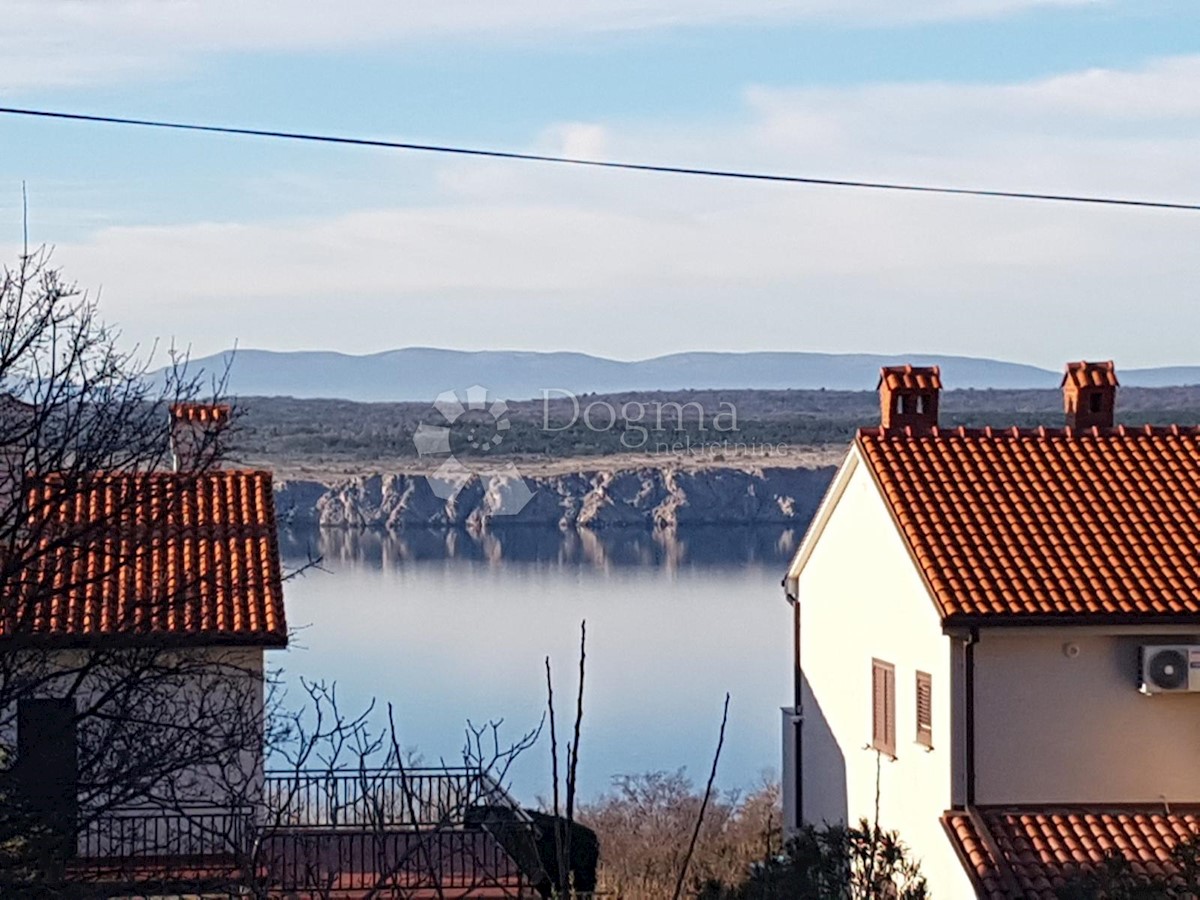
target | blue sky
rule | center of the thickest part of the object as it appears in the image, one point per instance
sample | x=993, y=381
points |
x=208, y=240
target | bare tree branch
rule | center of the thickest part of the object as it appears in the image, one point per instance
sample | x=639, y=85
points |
x=708, y=789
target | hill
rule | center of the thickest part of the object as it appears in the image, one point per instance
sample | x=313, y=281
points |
x=421, y=374
x=338, y=437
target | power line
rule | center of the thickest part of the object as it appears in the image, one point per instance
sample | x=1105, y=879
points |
x=601, y=164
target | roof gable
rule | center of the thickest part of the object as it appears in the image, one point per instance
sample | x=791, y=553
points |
x=833, y=493
x=1047, y=525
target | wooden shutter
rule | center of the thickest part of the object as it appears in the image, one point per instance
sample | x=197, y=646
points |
x=883, y=707
x=924, y=709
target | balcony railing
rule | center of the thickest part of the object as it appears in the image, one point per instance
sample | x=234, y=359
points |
x=380, y=798
x=337, y=830
x=346, y=860
x=148, y=832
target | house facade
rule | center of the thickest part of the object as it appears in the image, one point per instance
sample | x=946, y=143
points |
x=972, y=610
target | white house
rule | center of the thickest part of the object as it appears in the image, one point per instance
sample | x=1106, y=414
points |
x=992, y=633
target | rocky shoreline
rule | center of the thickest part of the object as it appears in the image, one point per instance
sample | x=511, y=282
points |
x=645, y=497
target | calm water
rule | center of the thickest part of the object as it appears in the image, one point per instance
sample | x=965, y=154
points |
x=449, y=627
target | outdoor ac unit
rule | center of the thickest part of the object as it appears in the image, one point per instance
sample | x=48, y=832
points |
x=1169, y=668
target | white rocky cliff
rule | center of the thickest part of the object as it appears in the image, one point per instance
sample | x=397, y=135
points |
x=649, y=497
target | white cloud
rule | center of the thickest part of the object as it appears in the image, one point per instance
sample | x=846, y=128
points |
x=509, y=254
x=63, y=42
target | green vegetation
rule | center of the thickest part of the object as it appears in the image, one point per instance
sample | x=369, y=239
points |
x=832, y=862
x=285, y=431
x=1116, y=878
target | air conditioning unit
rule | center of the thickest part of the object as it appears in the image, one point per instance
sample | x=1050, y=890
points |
x=1169, y=668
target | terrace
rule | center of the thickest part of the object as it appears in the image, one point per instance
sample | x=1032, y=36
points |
x=448, y=832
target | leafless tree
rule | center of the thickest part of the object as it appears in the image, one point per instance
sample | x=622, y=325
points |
x=169, y=739
x=78, y=413
x=645, y=822
x=708, y=792
x=564, y=825
x=345, y=806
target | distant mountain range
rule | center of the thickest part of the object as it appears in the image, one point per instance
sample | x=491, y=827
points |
x=419, y=373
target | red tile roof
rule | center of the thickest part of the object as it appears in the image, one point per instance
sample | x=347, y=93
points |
x=175, y=556
x=1048, y=524
x=1032, y=853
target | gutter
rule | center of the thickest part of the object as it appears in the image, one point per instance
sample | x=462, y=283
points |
x=797, y=672
x=969, y=713
x=791, y=589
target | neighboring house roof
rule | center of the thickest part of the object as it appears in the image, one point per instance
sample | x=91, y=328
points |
x=1034, y=525
x=1011, y=853
x=179, y=557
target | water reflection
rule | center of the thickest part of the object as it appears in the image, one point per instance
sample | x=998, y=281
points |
x=695, y=547
x=450, y=627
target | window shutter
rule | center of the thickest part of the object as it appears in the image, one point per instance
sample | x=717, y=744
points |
x=883, y=707
x=924, y=709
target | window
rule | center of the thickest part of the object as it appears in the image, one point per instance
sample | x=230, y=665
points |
x=925, y=709
x=1095, y=401
x=883, y=707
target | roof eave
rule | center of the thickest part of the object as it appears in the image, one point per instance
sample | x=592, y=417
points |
x=161, y=640
x=1026, y=620
x=825, y=509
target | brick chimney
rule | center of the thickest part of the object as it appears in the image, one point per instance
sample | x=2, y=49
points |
x=908, y=397
x=18, y=429
x=197, y=431
x=1090, y=394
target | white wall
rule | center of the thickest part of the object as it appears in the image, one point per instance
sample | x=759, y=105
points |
x=1057, y=728
x=224, y=679
x=861, y=597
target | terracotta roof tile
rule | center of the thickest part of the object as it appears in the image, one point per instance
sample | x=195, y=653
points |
x=1032, y=853
x=1048, y=523
x=1090, y=374
x=182, y=556
x=910, y=377
x=976, y=856
x=201, y=412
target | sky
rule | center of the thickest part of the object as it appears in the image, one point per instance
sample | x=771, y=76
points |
x=209, y=241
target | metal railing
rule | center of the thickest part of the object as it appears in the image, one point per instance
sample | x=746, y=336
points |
x=343, y=860
x=381, y=798
x=329, y=830
x=196, y=847
x=151, y=832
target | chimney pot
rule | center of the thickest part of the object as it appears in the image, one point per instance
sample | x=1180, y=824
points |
x=197, y=431
x=1090, y=394
x=908, y=398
